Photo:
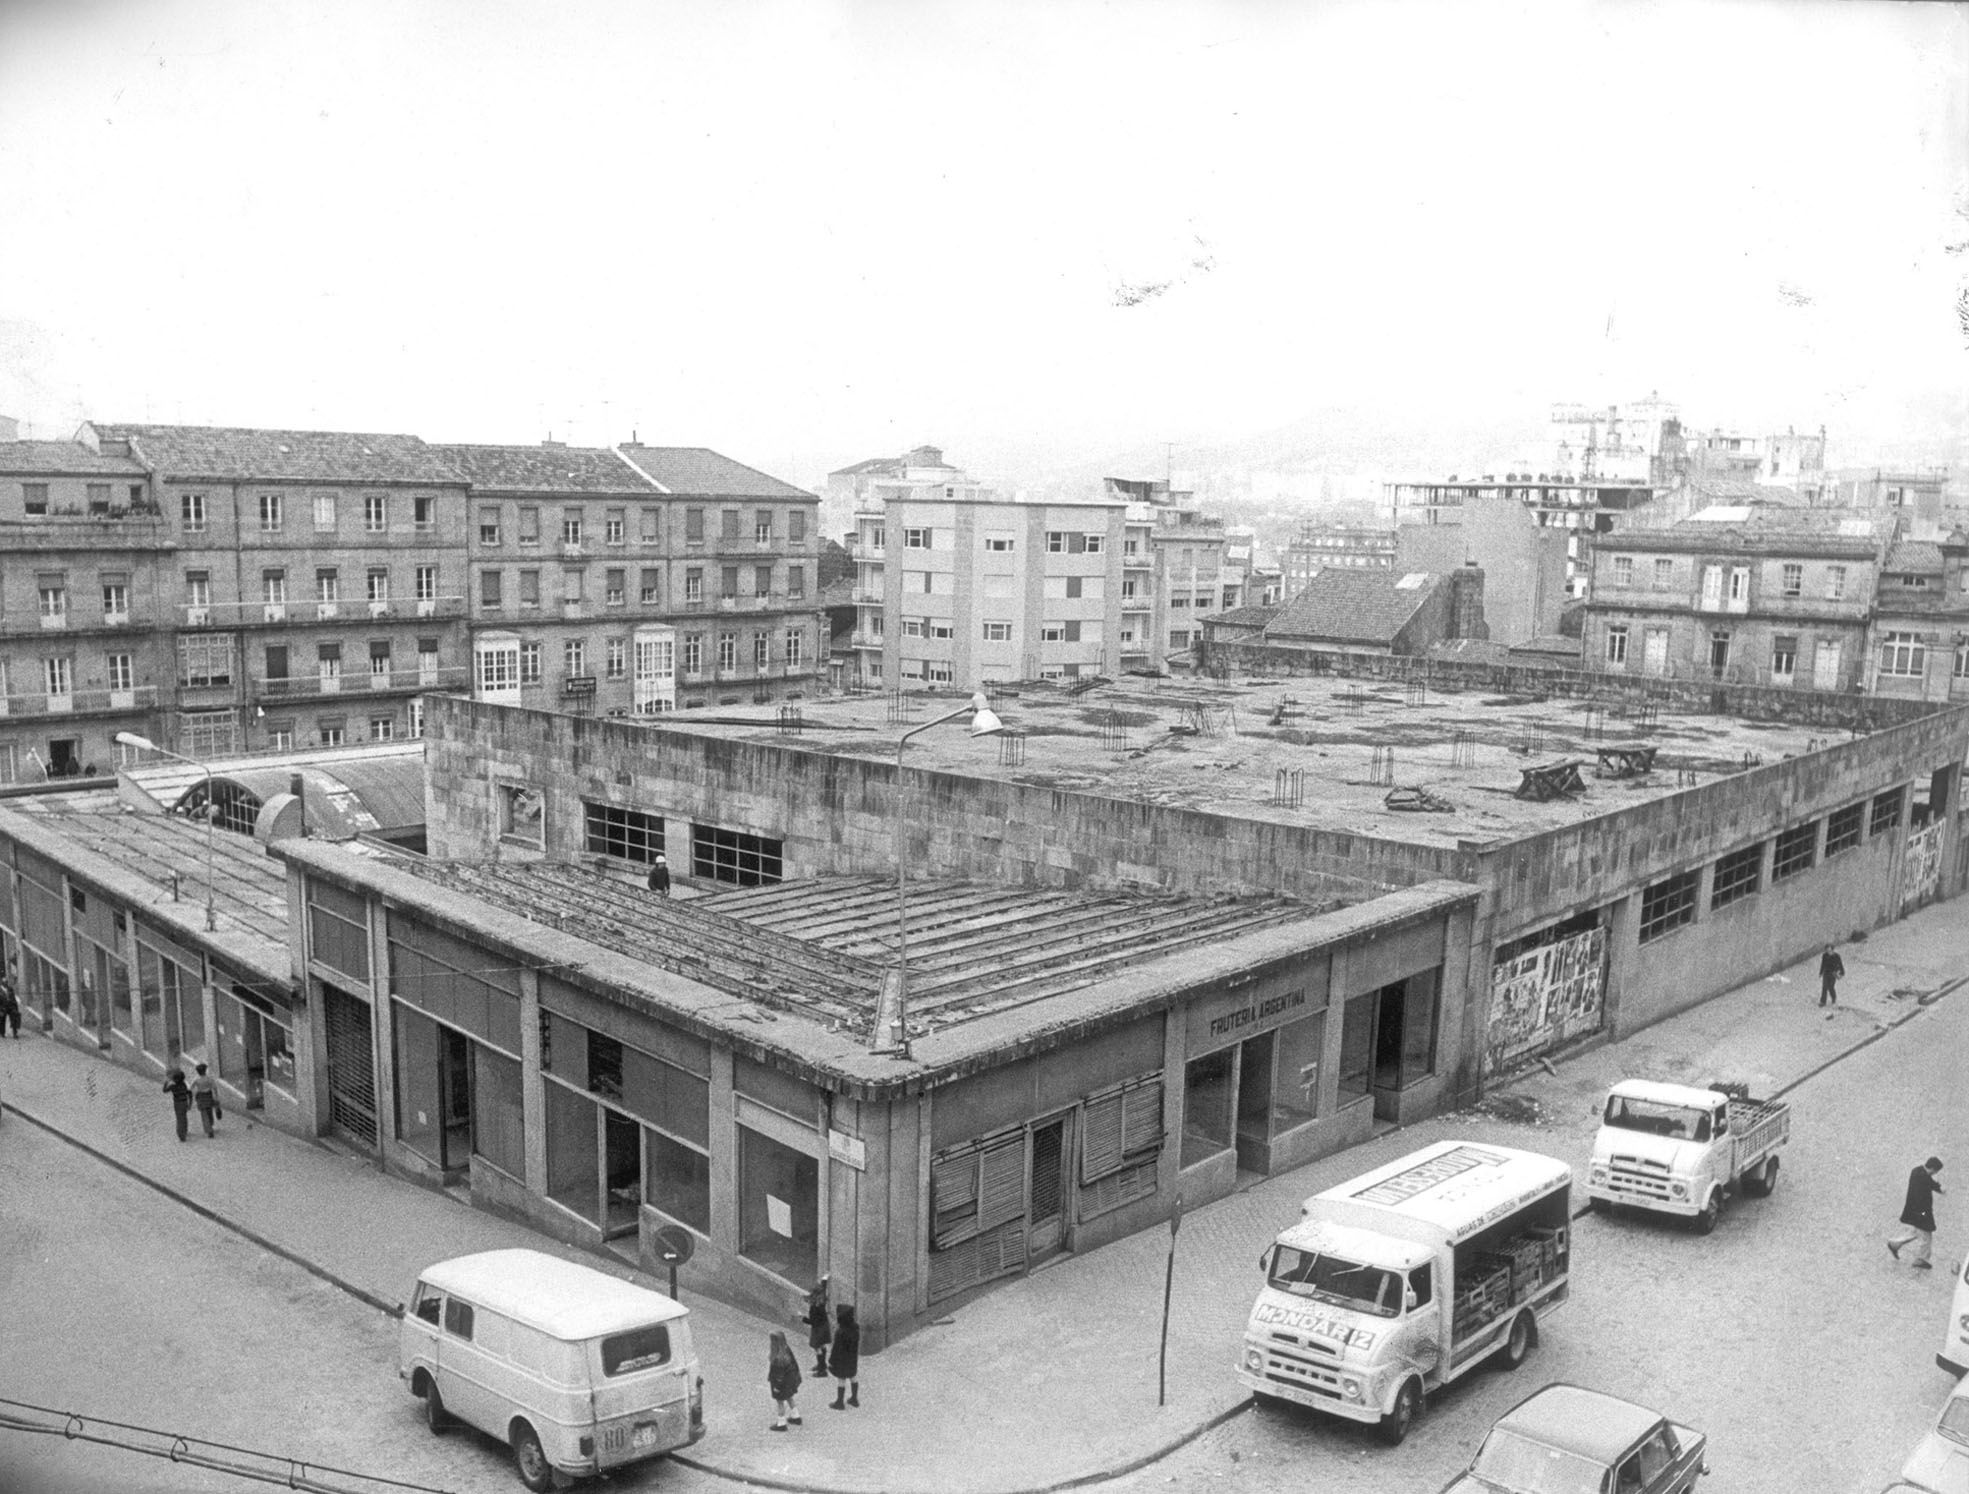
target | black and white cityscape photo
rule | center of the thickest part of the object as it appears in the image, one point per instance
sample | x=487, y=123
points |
x=984, y=747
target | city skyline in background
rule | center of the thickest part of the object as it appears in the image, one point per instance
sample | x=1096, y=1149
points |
x=1344, y=239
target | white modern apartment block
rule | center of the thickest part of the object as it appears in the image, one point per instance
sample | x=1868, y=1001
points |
x=1174, y=569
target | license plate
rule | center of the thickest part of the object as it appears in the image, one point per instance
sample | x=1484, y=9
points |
x=645, y=1436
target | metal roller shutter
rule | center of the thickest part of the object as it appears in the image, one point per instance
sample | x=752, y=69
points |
x=351, y=1066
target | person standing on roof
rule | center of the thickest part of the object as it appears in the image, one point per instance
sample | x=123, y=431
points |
x=659, y=876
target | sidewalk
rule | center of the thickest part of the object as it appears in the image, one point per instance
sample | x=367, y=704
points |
x=1048, y=1381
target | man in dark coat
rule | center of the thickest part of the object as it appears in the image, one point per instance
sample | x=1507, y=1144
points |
x=1831, y=967
x=1918, y=1215
x=659, y=876
x=10, y=1006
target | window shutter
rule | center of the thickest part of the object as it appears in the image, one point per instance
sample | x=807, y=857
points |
x=1100, y=1136
x=954, y=1197
x=1002, y=1182
x=1141, y=1129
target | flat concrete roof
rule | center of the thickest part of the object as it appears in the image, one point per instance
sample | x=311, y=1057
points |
x=1222, y=747
x=131, y=856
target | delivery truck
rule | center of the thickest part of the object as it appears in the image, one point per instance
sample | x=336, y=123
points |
x=1409, y=1277
x=1675, y=1149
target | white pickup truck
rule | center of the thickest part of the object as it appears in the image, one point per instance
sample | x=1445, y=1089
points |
x=1678, y=1150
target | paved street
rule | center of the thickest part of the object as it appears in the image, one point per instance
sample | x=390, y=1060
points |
x=1789, y=1335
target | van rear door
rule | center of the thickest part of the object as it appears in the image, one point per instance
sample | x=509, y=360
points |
x=642, y=1382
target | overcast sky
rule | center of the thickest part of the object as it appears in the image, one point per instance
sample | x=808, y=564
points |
x=810, y=233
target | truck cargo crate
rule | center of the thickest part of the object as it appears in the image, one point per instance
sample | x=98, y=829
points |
x=1552, y=1247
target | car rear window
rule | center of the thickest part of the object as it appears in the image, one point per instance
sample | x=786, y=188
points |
x=638, y=1349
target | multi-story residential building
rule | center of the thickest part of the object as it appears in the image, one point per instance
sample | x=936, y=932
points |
x=983, y=586
x=1747, y=594
x=1920, y=635
x=84, y=630
x=1919, y=495
x=740, y=586
x=1526, y=562
x=1582, y=507
x=317, y=585
x=1641, y=442
x=1318, y=547
x=1174, y=571
x=862, y=492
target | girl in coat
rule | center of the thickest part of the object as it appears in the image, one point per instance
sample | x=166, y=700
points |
x=818, y=1333
x=844, y=1359
x=783, y=1380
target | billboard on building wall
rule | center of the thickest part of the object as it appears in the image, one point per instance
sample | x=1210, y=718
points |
x=1544, y=997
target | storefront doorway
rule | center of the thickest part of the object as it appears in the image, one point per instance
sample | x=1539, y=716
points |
x=1046, y=1209
x=351, y=1066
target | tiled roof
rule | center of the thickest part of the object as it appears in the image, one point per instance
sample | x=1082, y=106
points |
x=545, y=469
x=63, y=459
x=234, y=453
x=1913, y=557
x=1355, y=606
x=891, y=466
x=698, y=470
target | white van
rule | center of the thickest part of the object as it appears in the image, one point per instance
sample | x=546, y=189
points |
x=1955, y=1338
x=574, y=1370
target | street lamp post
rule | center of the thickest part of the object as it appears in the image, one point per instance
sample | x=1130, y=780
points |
x=145, y=744
x=892, y=1010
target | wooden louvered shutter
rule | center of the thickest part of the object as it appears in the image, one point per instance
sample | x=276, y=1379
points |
x=1002, y=1181
x=1141, y=1127
x=1100, y=1136
x=954, y=1197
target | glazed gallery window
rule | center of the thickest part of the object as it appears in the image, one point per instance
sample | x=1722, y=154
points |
x=734, y=856
x=1668, y=905
x=1737, y=876
x=626, y=834
x=205, y=659
x=1903, y=655
x=1797, y=851
x=1844, y=828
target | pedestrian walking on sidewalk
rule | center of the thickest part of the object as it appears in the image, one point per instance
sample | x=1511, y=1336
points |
x=818, y=1332
x=180, y=1093
x=1918, y=1215
x=205, y=1095
x=659, y=876
x=10, y=1007
x=844, y=1358
x=783, y=1380
x=1831, y=967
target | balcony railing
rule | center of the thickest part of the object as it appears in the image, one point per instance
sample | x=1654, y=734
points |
x=862, y=597
x=865, y=640
x=363, y=682
x=111, y=531
x=80, y=702
x=262, y=613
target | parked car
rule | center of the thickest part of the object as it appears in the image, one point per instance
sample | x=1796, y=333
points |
x=1954, y=1357
x=1940, y=1461
x=1567, y=1440
x=1674, y=1149
x=577, y=1372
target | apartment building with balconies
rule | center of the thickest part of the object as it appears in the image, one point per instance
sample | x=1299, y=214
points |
x=1738, y=593
x=861, y=492
x=83, y=640
x=315, y=586
x=739, y=583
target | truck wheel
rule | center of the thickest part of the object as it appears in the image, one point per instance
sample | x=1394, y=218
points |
x=534, y=1469
x=1766, y=1179
x=1408, y=1401
x=1518, y=1344
x=1712, y=1208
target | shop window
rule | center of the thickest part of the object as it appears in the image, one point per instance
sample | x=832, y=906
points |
x=1357, y=1048
x=678, y=1181
x=498, y=1120
x=1844, y=828
x=339, y=929
x=1797, y=851
x=1207, y=1106
x=420, y=1114
x=778, y=1206
x=1737, y=876
x=1301, y=1048
x=573, y=1152
x=1668, y=904
x=1419, y=1000
x=1120, y=1139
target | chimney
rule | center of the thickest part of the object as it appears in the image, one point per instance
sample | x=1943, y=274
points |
x=299, y=790
x=1466, y=602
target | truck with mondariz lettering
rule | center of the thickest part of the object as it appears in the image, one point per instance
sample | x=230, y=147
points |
x=1409, y=1277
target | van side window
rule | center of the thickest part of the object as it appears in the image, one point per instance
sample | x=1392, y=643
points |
x=638, y=1349
x=457, y=1317
x=429, y=1304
